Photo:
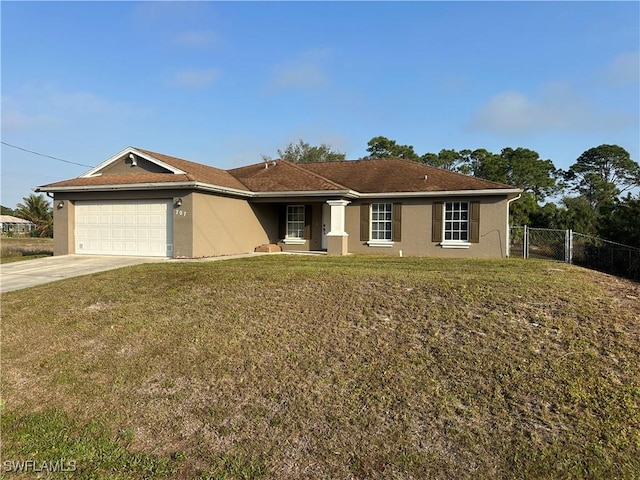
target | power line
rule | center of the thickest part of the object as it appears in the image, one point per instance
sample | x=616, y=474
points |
x=46, y=156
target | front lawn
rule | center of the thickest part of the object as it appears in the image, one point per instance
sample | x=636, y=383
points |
x=290, y=367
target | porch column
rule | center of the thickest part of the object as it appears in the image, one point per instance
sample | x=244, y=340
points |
x=337, y=238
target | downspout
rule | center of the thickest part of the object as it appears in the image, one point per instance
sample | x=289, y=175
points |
x=508, y=235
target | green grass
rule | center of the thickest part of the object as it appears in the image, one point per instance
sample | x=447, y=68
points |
x=321, y=367
x=15, y=249
x=49, y=442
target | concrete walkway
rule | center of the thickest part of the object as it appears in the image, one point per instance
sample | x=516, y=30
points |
x=28, y=273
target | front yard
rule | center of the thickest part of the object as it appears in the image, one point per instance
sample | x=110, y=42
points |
x=318, y=367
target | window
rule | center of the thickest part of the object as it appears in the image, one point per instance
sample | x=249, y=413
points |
x=381, y=221
x=295, y=221
x=455, y=224
x=456, y=221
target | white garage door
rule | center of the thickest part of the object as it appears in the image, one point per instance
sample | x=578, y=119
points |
x=124, y=227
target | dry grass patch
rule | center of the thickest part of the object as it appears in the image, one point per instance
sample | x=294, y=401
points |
x=359, y=367
x=13, y=249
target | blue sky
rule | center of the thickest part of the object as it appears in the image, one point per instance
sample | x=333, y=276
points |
x=222, y=83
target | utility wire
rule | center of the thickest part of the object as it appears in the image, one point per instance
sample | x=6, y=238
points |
x=43, y=155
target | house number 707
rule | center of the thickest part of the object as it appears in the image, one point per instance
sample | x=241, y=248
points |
x=181, y=212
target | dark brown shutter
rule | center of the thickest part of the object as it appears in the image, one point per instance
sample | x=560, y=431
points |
x=307, y=222
x=397, y=222
x=364, y=222
x=436, y=222
x=282, y=221
x=474, y=237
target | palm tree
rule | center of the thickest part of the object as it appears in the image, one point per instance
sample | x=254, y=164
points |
x=36, y=209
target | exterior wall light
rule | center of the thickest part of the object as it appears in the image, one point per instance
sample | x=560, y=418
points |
x=61, y=204
x=178, y=202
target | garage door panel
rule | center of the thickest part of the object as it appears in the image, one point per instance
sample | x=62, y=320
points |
x=156, y=235
x=124, y=227
x=130, y=248
x=156, y=219
x=92, y=233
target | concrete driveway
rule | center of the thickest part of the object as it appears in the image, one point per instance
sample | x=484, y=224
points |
x=27, y=273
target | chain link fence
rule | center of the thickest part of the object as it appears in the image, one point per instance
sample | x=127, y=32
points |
x=606, y=256
x=576, y=248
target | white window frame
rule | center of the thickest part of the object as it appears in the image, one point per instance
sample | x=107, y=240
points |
x=388, y=210
x=299, y=221
x=453, y=216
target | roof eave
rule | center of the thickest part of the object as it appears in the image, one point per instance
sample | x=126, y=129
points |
x=290, y=193
x=308, y=193
x=440, y=193
x=147, y=186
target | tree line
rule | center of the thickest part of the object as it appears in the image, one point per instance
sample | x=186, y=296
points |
x=589, y=197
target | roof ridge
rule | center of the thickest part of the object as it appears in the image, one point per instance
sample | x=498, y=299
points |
x=317, y=175
x=153, y=154
x=189, y=175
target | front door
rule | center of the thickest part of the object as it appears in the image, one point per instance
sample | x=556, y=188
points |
x=326, y=224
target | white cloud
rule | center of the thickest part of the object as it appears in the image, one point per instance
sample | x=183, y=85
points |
x=196, y=39
x=15, y=118
x=196, y=78
x=35, y=106
x=87, y=103
x=305, y=72
x=556, y=108
x=624, y=69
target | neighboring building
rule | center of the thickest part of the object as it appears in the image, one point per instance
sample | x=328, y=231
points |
x=16, y=226
x=144, y=203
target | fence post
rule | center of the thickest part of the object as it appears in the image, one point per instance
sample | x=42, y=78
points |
x=570, y=246
x=525, y=242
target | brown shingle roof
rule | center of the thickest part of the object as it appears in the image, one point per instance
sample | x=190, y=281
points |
x=390, y=175
x=194, y=172
x=120, y=179
x=281, y=176
x=199, y=172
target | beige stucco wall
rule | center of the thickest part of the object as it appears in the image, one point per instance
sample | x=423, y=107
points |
x=183, y=220
x=64, y=219
x=124, y=166
x=416, y=229
x=209, y=225
x=224, y=225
